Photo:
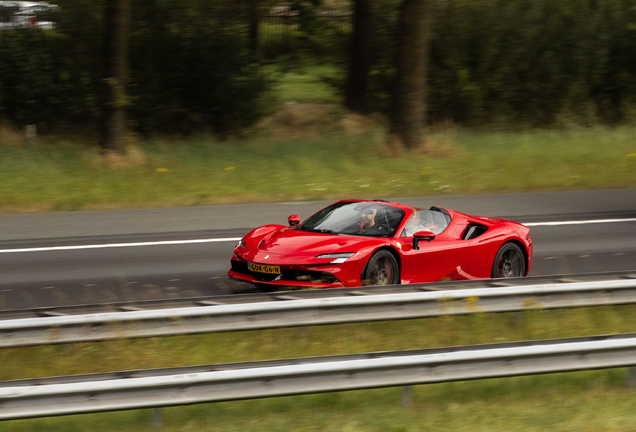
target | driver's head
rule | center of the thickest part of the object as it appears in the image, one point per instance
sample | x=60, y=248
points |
x=368, y=215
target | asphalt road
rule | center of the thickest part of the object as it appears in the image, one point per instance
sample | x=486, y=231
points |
x=32, y=274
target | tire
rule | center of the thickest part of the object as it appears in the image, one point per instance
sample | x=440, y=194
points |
x=509, y=262
x=382, y=269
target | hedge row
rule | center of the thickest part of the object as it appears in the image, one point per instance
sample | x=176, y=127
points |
x=492, y=61
x=532, y=61
x=186, y=72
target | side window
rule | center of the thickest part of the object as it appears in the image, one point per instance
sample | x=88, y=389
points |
x=411, y=226
x=425, y=220
x=439, y=222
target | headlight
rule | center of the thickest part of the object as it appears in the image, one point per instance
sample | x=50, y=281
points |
x=337, y=257
x=240, y=243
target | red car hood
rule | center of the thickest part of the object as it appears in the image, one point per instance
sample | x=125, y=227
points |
x=290, y=241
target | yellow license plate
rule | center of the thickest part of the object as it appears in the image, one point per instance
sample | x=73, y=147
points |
x=270, y=269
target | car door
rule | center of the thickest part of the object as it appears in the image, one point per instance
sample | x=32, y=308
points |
x=437, y=259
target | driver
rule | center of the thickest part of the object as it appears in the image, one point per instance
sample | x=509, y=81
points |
x=368, y=219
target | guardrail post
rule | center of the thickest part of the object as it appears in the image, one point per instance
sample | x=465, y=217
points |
x=631, y=382
x=156, y=419
x=407, y=396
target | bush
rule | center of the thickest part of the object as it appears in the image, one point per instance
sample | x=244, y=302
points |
x=35, y=82
x=186, y=72
x=530, y=61
x=190, y=73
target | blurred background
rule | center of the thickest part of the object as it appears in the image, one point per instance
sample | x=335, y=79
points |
x=211, y=65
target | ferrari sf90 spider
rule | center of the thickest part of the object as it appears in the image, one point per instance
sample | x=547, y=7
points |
x=374, y=242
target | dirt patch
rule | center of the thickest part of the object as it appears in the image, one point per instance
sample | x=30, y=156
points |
x=309, y=120
x=298, y=120
x=11, y=136
x=134, y=157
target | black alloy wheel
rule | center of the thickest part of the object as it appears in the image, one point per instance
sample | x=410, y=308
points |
x=382, y=269
x=509, y=262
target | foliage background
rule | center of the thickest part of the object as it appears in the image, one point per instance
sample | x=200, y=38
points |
x=536, y=63
x=187, y=72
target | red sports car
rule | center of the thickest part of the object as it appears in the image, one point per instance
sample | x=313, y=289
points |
x=374, y=242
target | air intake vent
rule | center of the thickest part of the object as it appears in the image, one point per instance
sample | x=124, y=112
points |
x=474, y=230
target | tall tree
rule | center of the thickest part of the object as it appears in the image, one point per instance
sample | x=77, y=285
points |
x=360, y=56
x=408, y=102
x=117, y=14
x=254, y=18
x=255, y=8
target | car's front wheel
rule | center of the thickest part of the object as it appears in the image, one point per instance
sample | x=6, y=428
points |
x=382, y=269
x=509, y=262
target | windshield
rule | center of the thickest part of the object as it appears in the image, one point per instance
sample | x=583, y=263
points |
x=356, y=218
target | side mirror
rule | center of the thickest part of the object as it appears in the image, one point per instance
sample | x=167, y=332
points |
x=293, y=220
x=422, y=235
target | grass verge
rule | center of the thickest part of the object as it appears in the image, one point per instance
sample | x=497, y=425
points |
x=350, y=161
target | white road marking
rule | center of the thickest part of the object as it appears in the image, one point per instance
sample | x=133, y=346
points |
x=119, y=245
x=585, y=222
x=234, y=239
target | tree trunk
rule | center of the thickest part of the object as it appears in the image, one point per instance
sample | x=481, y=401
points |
x=360, y=56
x=408, y=107
x=116, y=67
x=253, y=32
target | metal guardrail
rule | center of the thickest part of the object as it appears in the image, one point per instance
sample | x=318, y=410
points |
x=261, y=297
x=182, y=386
x=304, y=312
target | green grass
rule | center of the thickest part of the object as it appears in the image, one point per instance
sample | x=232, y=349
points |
x=18, y=363
x=304, y=85
x=587, y=401
x=332, y=165
x=309, y=150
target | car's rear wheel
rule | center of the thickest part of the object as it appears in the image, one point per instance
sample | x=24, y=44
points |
x=382, y=269
x=509, y=262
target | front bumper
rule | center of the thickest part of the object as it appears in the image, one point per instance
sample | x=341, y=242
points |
x=296, y=275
